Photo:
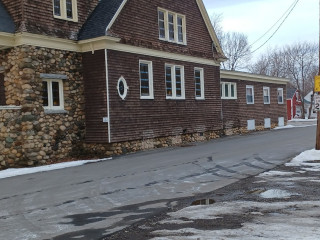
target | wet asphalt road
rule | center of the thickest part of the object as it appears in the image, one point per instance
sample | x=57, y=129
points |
x=95, y=200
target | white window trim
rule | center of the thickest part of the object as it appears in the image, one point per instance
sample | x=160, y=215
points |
x=150, y=76
x=223, y=95
x=166, y=26
x=173, y=82
x=50, y=97
x=280, y=89
x=126, y=88
x=202, y=97
x=251, y=87
x=268, y=89
x=63, y=9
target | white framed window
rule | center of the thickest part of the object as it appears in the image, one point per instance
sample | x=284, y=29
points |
x=174, y=81
x=280, y=95
x=250, y=94
x=228, y=90
x=199, y=83
x=146, y=79
x=52, y=94
x=172, y=26
x=65, y=9
x=266, y=95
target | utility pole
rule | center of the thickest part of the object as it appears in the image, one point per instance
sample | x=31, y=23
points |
x=317, y=91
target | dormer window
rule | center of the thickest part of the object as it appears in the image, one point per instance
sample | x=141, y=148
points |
x=65, y=9
x=172, y=26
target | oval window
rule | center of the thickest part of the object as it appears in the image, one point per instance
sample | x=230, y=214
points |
x=122, y=88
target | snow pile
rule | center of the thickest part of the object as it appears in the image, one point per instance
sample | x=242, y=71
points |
x=276, y=193
x=308, y=160
x=12, y=172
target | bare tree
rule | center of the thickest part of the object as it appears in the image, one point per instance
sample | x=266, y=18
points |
x=234, y=44
x=297, y=62
x=236, y=47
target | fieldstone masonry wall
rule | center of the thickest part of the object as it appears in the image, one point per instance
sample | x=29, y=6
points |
x=29, y=136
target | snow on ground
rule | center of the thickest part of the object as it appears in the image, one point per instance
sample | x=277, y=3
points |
x=277, y=220
x=12, y=172
x=276, y=193
x=275, y=173
x=294, y=220
x=308, y=161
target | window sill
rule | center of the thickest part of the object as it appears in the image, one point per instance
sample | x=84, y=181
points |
x=66, y=19
x=51, y=111
x=200, y=99
x=170, y=41
x=10, y=107
x=224, y=98
x=147, y=98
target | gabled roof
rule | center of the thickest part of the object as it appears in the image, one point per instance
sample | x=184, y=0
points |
x=100, y=19
x=107, y=12
x=6, y=22
x=291, y=92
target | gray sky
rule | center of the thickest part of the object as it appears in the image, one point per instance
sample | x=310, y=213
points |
x=255, y=17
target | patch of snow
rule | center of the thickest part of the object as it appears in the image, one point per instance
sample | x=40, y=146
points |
x=275, y=173
x=302, y=120
x=276, y=193
x=13, y=172
x=280, y=224
x=292, y=126
x=307, y=156
x=175, y=221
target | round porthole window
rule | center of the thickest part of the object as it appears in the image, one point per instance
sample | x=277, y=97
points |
x=122, y=88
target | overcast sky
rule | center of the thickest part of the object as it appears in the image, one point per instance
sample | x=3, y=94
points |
x=255, y=17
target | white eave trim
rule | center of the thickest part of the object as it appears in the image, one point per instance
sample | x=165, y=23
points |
x=211, y=30
x=224, y=74
x=116, y=15
x=6, y=40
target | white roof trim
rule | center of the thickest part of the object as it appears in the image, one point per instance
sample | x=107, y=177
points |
x=116, y=15
x=224, y=74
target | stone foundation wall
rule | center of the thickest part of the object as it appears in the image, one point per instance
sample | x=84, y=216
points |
x=31, y=136
x=107, y=150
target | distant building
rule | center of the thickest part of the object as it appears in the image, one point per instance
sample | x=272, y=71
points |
x=294, y=109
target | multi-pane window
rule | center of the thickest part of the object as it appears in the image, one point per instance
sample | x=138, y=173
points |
x=266, y=95
x=146, y=80
x=280, y=95
x=199, y=83
x=65, y=9
x=228, y=90
x=250, y=94
x=172, y=26
x=175, y=82
x=162, y=30
x=52, y=94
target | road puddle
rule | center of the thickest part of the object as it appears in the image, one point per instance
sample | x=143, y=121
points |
x=203, y=202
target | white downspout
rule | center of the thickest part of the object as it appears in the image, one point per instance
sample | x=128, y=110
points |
x=108, y=97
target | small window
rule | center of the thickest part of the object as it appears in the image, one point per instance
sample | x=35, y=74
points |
x=122, y=88
x=175, y=82
x=172, y=26
x=146, y=80
x=199, y=83
x=250, y=94
x=228, y=90
x=280, y=95
x=65, y=9
x=266, y=95
x=52, y=94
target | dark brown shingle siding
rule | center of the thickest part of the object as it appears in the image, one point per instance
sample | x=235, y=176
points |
x=95, y=96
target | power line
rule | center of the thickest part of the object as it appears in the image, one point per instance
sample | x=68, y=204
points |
x=283, y=15
x=277, y=27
